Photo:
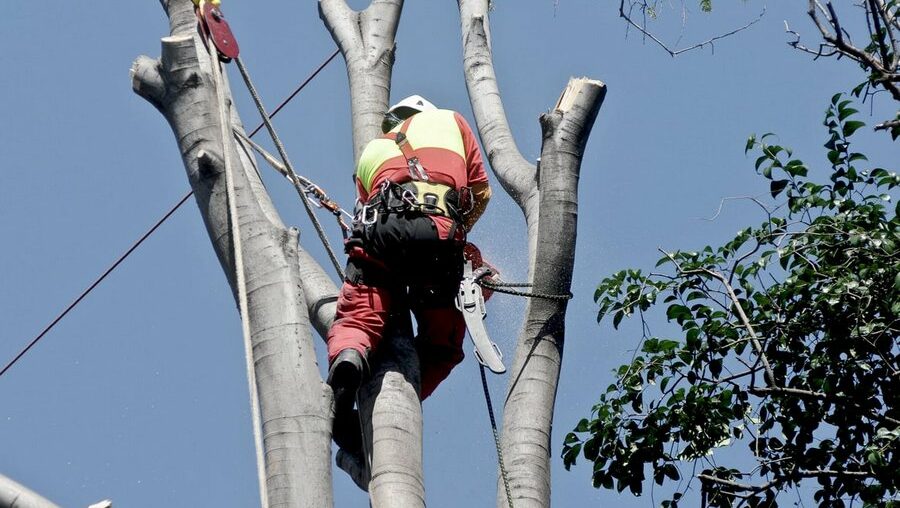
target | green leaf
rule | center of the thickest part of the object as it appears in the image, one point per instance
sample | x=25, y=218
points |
x=846, y=112
x=852, y=126
x=751, y=142
x=777, y=187
x=671, y=472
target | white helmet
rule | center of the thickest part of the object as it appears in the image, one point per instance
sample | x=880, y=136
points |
x=405, y=109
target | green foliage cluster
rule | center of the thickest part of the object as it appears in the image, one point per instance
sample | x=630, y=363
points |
x=788, y=347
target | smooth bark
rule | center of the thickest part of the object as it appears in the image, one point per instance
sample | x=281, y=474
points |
x=16, y=495
x=295, y=404
x=548, y=196
x=389, y=403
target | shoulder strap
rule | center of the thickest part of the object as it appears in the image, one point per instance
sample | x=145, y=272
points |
x=416, y=171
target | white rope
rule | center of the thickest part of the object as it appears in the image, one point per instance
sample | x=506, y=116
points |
x=225, y=121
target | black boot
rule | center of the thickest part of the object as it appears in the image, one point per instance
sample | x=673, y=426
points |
x=345, y=377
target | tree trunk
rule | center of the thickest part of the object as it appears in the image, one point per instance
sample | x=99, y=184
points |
x=547, y=195
x=16, y=495
x=287, y=291
x=295, y=405
x=389, y=403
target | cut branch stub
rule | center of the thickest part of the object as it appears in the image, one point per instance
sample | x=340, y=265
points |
x=528, y=414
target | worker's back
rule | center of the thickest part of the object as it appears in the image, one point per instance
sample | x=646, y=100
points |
x=443, y=143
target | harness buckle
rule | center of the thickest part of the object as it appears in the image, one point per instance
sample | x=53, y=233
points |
x=416, y=171
x=368, y=215
x=408, y=197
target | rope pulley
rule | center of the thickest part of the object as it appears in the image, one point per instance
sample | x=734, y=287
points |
x=215, y=28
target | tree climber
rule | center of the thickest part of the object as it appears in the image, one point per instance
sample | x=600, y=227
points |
x=421, y=187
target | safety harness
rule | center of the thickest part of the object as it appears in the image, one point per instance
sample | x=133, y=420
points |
x=421, y=194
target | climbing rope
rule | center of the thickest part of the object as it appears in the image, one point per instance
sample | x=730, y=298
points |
x=240, y=281
x=290, y=169
x=153, y=228
x=303, y=185
x=490, y=407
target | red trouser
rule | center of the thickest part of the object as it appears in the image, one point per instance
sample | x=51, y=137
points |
x=403, y=252
x=359, y=324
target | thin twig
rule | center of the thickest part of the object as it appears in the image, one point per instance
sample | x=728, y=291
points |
x=673, y=53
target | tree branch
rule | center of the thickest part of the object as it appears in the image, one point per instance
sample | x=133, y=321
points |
x=16, y=495
x=294, y=402
x=548, y=198
x=675, y=52
x=366, y=39
x=515, y=174
x=389, y=402
x=882, y=74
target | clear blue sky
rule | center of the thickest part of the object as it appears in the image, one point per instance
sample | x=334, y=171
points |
x=140, y=394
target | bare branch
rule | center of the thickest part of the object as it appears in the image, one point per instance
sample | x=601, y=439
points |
x=514, y=173
x=16, y=495
x=883, y=72
x=891, y=124
x=642, y=27
x=366, y=39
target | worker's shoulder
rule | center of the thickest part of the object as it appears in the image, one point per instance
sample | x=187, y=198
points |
x=439, y=119
x=379, y=147
x=443, y=115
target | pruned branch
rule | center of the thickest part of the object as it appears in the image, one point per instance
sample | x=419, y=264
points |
x=548, y=198
x=295, y=404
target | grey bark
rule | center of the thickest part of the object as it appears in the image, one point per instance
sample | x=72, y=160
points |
x=16, y=495
x=548, y=197
x=288, y=291
x=295, y=404
x=389, y=403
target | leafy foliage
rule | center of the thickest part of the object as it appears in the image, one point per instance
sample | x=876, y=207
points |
x=788, y=346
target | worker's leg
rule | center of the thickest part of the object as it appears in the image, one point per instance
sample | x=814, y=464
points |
x=358, y=326
x=439, y=343
x=362, y=310
x=359, y=321
x=441, y=326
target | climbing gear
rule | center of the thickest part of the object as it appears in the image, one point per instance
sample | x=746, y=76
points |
x=416, y=196
x=302, y=184
x=486, y=281
x=240, y=276
x=294, y=177
x=470, y=303
x=416, y=170
x=215, y=28
x=153, y=228
x=490, y=407
x=403, y=110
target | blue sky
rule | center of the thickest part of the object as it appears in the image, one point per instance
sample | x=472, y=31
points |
x=140, y=394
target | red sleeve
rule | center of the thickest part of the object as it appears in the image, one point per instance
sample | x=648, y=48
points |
x=474, y=164
x=360, y=191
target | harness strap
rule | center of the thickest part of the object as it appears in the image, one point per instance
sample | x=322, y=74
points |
x=416, y=170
